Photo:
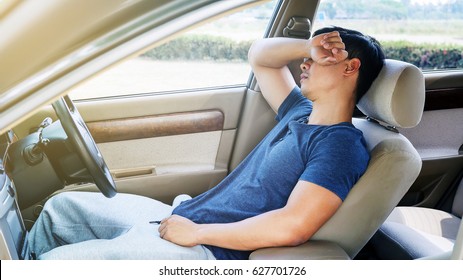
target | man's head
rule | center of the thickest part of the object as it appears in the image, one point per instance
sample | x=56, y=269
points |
x=366, y=49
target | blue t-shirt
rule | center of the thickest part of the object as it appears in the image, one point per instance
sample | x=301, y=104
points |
x=333, y=157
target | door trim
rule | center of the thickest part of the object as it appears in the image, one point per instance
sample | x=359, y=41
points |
x=156, y=126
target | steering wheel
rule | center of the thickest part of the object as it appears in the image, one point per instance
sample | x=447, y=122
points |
x=80, y=138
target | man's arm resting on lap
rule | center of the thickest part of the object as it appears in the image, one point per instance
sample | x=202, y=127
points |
x=309, y=207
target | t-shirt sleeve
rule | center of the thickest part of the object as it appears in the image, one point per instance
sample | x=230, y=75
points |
x=337, y=161
x=293, y=100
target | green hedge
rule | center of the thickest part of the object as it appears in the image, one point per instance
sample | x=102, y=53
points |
x=201, y=47
x=427, y=56
x=216, y=48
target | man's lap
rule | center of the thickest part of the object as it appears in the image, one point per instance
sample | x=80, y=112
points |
x=90, y=226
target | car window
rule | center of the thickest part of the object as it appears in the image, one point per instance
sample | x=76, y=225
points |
x=426, y=33
x=211, y=55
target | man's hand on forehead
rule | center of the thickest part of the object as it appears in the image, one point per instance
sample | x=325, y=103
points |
x=328, y=48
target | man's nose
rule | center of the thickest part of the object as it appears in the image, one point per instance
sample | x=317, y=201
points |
x=305, y=65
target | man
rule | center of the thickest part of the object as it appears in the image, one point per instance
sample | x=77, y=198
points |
x=280, y=195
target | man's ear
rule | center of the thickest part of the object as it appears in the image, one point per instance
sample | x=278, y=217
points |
x=352, y=66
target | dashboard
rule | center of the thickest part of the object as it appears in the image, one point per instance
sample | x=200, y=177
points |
x=13, y=234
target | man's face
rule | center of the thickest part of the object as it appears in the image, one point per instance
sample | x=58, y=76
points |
x=319, y=79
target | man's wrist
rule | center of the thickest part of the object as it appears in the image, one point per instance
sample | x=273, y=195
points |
x=308, y=48
x=201, y=234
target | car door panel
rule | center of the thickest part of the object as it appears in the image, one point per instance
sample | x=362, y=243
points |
x=184, y=134
x=159, y=145
x=438, y=138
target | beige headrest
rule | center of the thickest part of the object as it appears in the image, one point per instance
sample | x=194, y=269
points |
x=396, y=96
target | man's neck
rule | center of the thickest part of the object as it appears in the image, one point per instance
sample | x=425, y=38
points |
x=326, y=112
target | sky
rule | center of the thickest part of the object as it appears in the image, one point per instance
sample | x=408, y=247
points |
x=429, y=1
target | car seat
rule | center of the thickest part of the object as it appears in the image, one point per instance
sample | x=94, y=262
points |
x=395, y=99
x=418, y=232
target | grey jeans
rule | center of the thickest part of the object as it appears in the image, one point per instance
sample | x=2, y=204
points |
x=82, y=225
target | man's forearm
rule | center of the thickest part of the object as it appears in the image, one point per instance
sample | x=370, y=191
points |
x=269, y=59
x=309, y=207
x=278, y=52
x=270, y=229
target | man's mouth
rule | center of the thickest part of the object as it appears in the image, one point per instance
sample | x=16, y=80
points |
x=304, y=76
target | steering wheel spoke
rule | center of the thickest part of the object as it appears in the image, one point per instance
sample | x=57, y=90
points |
x=80, y=138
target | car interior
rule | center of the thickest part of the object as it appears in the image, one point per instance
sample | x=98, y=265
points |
x=408, y=204
x=417, y=232
x=393, y=167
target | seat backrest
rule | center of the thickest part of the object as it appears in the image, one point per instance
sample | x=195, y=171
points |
x=395, y=99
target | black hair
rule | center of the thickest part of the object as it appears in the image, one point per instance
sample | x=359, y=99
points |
x=367, y=49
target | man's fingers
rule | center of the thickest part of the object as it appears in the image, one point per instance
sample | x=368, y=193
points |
x=340, y=54
x=331, y=35
x=333, y=44
x=336, y=56
x=329, y=60
x=162, y=232
x=162, y=227
x=332, y=40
